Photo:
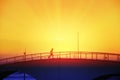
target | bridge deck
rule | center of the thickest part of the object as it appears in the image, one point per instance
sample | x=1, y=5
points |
x=60, y=55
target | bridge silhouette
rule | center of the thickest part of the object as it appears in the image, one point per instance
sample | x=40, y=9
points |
x=43, y=66
x=62, y=55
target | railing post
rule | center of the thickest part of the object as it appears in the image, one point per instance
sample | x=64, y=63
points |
x=31, y=57
x=85, y=55
x=80, y=55
x=14, y=59
x=66, y=55
x=92, y=55
x=40, y=55
x=59, y=55
x=118, y=57
x=96, y=56
x=70, y=55
x=6, y=61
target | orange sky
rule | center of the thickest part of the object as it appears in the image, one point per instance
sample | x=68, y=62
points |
x=39, y=25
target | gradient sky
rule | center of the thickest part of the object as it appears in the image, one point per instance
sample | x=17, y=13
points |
x=39, y=25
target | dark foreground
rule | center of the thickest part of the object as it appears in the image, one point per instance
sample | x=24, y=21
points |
x=63, y=69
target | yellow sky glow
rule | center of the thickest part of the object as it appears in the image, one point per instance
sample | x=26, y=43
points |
x=39, y=25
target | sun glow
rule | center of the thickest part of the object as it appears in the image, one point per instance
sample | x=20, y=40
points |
x=39, y=25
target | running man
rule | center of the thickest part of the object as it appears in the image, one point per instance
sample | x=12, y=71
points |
x=51, y=53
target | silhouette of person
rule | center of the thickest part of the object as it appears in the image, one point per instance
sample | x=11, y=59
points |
x=25, y=56
x=51, y=53
x=106, y=57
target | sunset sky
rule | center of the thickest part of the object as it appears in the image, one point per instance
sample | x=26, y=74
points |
x=39, y=25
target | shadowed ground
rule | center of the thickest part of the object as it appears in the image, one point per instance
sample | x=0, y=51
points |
x=66, y=69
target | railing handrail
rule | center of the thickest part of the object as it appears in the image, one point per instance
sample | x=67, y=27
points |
x=63, y=54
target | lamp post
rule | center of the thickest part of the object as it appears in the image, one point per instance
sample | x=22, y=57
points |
x=78, y=41
x=24, y=62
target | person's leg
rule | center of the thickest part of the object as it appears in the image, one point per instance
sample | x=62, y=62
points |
x=49, y=57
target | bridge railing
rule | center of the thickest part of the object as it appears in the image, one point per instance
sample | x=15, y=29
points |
x=60, y=55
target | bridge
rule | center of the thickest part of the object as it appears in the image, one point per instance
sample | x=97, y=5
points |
x=61, y=55
x=66, y=65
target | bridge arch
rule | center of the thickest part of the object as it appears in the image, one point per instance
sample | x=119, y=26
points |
x=19, y=76
x=108, y=77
